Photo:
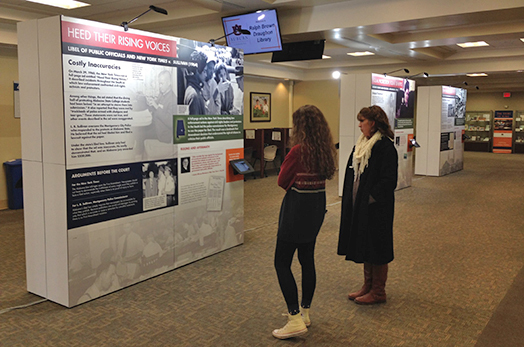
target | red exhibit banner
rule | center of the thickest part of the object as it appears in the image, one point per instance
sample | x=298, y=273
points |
x=448, y=90
x=95, y=36
x=387, y=81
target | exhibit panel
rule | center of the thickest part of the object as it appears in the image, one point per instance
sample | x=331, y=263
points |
x=440, y=128
x=210, y=215
x=478, y=131
x=452, y=128
x=503, y=132
x=396, y=96
x=518, y=145
x=138, y=131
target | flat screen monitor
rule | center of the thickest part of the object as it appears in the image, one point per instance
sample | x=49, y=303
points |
x=241, y=166
x=264, y=31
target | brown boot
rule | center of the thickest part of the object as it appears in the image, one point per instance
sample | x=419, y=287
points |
x=377, y=294
x=367, y=283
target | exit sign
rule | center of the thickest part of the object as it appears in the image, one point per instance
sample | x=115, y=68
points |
x=506, y=94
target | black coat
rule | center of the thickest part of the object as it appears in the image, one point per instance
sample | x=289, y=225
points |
x=366, y=229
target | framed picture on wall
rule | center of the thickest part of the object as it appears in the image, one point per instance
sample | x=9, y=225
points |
x=260, y=105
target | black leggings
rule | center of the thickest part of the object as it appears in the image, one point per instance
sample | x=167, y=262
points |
x=283, y=259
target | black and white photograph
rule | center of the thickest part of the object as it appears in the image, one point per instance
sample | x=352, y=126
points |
x=154, y=102
x=160, y=184
x=105, y=259
x=214, y=84
x=185, y=165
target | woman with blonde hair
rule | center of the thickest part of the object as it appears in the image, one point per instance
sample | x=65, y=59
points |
x=303, y=175
x=368, y=202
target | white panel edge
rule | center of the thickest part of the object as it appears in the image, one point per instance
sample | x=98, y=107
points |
x=51, y=89
x=55, y=213
x=34, y=227
x=28, y=72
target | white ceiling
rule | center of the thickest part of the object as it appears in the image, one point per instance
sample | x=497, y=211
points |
x=419, y=35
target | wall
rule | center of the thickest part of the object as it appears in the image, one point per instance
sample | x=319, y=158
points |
x=280, y=103
x=324, y=95
x=10, y=140
x=494, y=102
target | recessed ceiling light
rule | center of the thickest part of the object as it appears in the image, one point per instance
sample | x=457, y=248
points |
x=325, y=56
x=473, y=44
x=479, y=74
x=360, y=54
x=67, y=4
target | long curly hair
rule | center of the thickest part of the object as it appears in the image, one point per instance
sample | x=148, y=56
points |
x=376, y=114
x=311, y=132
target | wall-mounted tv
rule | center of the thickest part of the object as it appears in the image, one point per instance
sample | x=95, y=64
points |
x=264, y=31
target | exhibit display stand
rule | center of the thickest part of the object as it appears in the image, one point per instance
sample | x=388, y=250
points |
x=440, y=128
x=518, y=144
x=125, y=155
x=396, y=96
x=479, y=131
x=503, y=127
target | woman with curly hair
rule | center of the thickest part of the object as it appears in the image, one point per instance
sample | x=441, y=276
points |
x=303, y=175
x=368, y=202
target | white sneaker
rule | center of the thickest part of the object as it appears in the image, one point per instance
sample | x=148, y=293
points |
x=295, y=327
x=305, y=316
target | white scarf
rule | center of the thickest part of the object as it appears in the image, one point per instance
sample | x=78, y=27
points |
x=363, y=152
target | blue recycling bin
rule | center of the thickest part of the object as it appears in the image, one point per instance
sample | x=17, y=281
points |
x=13, y=173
